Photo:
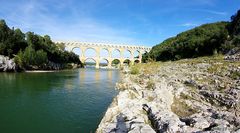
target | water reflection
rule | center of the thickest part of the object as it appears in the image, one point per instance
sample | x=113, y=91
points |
x=66, y=101
x=109, y=75
x=97, y=76
x=82, y=76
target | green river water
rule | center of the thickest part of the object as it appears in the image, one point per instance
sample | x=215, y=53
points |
x=71, y=101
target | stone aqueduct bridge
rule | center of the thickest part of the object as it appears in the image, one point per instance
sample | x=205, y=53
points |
x=110, y=48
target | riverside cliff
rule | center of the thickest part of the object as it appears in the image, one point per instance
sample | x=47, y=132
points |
x=191, y=95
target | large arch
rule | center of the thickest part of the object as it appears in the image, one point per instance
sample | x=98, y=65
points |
x=136, y=54
x=77, y=51
x=90, y=52
x=90, y=62
x=127, y=53
x=103, y=62
x=104, y=52
x=116, y=53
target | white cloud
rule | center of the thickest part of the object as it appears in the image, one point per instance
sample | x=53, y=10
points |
x=189, y=24
x=212, y=12
x=35, y=16
x=197, y=2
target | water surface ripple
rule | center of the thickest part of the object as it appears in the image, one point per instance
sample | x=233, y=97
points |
x=71, y=101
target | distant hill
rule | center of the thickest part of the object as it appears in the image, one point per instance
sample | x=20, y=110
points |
x=207, y=39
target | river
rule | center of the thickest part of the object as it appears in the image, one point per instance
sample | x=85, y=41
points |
x=72, y=101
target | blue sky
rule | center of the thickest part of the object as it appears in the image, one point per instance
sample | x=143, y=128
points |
x=143, y=22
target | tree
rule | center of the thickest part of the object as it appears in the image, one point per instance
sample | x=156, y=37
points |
x=29, y=56
x=200, y=41
x=31, y=49
x=19, y=59
x=234, y=27
x=40, y=57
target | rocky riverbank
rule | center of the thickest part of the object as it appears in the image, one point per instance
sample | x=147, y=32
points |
x=192, y=95
x=8, y=65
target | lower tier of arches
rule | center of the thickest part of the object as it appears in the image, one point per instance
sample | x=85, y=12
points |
x=109, y=62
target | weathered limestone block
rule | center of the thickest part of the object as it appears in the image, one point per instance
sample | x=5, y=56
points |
x=7, y=64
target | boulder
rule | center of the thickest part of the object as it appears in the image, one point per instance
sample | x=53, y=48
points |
x=7, y=64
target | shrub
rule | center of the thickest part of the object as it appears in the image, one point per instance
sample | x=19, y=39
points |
x=134, y=70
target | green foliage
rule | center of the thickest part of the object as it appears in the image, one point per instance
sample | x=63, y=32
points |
x=200, y=41
x=29, y=56
x=116, y=61
x=11, y=41
x=208, y=39
x=234, y=27
x=19, y=59
x=32, y=49
x=134, y=70
x=146, y=58
x=235, y=75
x=40, y=57
x=60, y=46
x=150, y=85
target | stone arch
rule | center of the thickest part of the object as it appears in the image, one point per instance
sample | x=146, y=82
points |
x=90, y=62
x=136, y=61
x=145, y=51
x=127, y=53
x=136, y=54
x=116, y=53
x=116, y=63
x=90, y=52
x=68, y=48
x=104, y=62
x=77, y=50
x=127, y=62
x=104, y=52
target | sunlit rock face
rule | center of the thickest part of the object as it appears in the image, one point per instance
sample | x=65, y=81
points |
x=192, y=95
x=7, y=64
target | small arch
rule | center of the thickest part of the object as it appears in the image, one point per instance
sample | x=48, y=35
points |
x=90, y=52
x=103, y=62
x=116, y=53
x=127, y=62
x=77, y=51
x=104, y=52
x=116, y=63
x=90, y=62
x=136, y=61
x=127, y=53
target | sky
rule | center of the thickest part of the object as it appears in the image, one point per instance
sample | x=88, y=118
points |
x=136, y=22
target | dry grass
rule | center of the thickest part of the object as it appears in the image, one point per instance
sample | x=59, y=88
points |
x=150, y=99
x=235, y=75
x=149, y=68
x=134, y=70
x=150, y=85
x=180, y=108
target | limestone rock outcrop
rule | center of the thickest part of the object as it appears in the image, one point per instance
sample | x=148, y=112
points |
x=7, y=64
x=198, y=95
